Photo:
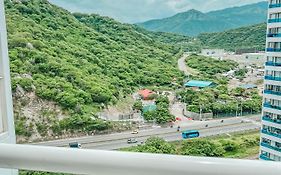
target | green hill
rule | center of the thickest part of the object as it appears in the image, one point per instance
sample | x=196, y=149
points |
x=251, y=37
x=194, y=22
x=81, y=62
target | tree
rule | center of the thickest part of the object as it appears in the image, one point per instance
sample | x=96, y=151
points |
x=157, y=145
x=138, y=105
x=162, y=99
x=149, y=115
x=229, y=145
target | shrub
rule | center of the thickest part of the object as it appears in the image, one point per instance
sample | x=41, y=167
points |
x=229, y=146
x=199, y=147
x=157, y=145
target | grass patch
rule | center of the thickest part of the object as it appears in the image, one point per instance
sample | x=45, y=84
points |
x=238, y=145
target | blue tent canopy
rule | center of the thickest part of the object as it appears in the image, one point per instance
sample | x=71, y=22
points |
x=199, y=84
x=147, y=108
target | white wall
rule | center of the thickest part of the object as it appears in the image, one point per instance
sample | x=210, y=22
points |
x=7, y=130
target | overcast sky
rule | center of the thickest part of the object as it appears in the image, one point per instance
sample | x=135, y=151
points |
x=132, y=11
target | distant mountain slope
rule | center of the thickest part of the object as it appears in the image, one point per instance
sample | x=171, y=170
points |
x=194, y=22
x=242, y=38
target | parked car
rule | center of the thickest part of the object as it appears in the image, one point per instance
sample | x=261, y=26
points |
x=130, y=141
x=135, y=132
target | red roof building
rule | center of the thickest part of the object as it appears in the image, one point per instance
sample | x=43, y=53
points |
x=146, y=93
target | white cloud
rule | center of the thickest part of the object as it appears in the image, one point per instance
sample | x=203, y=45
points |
x=132, y=11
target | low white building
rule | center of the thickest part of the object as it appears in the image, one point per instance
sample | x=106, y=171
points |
x=215, y=53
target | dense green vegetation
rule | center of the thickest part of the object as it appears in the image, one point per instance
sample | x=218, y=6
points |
x=210, y=69
x=209, y=66
x=165, y=37
x=251, y=37
x=162, y=114
x=241, y=73
x=82, y=62
x=235, y=146
x=193, y=22
x=245, y=38
x=219, y=100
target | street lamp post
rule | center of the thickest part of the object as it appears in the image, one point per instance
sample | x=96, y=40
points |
x=241, y=108
x=200, y=116
x=237, y=109
x=239, y=100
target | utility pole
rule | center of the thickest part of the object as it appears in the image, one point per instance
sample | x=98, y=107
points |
x=200, y=116
x=237, y=109
x=241, y=107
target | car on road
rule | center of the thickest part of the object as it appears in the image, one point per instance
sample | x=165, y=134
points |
x=75, y=145
x=135, y=132
x=130, y=141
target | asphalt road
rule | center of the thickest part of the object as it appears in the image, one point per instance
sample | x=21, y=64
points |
x=119, y=140
x=182, y=65
x=112, y=145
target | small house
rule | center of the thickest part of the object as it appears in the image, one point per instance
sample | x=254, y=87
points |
x=146, y=94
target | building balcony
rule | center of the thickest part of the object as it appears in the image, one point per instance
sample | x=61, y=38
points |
x=88, y=162
x=274, y=35
x=264, y=157
x=270, y=146
x=271, y=63
x=266, y=118
x=274, y=5
x=274, y=20
x=269, y=77
x=272, y=92
x=264, y=131
x=273, y=49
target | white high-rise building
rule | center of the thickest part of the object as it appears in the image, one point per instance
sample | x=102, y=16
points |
x=7, y=131
x=271, y=119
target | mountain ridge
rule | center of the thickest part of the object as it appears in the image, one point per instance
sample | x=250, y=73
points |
x=249, y=37
x=186, y=23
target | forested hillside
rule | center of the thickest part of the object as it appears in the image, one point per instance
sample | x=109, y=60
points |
x=194, y=22
x=242, y=38
x=81, y=63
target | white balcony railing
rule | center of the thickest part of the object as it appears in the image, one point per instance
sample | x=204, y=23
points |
x=92, y=162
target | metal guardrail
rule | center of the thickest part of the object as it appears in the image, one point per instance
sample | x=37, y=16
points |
x=91, y=162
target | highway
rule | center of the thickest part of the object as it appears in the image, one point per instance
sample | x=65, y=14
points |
x=119, y=140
